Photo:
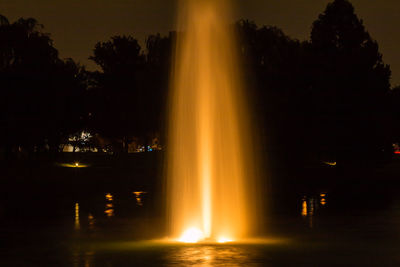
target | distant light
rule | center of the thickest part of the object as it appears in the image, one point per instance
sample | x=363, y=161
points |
x=72, y=165
x=323, y=194
x=192, y=235
x=397, y=152
x=330, y=163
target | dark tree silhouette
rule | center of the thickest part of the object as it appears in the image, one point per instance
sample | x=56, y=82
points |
x=157, y=71
x=32, y=114
x=349, y=86
x=273, y=66
x=119, y=111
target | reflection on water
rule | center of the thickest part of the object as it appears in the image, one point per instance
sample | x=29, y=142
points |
x=304, y=208
x=109, y=209
x=83, y=258
x=139, y=198
x=109, y=197
x=77, y=223
x=323, y=199
x=149, y=253
x=211, y=255
x=310, y=204
x=91, y=221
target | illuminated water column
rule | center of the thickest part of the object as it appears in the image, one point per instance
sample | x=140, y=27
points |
x=210, y=163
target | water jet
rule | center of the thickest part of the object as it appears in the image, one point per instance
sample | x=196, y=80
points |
x=210, y=166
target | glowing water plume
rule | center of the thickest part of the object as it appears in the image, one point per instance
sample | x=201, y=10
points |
x=210, y=163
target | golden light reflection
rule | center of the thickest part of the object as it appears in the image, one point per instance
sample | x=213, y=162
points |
x=312, y=207
x=77, y=222
x=109, y=212
x=323, y=199
x=109, y=197
x=109, y=207
x=91, y=221
x=304, y=208
x=138, y=196
x=210, y=255
x=211, y=165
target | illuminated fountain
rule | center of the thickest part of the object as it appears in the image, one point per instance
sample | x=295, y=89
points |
x=210, y=173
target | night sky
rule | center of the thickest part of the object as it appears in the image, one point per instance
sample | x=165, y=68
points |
x=76, y=25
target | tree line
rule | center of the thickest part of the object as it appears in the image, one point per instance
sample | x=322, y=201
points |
x=329, y=97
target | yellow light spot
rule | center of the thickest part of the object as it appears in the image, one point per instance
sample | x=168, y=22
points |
x=72, y=165
x=192, y=235
x=330, y=163
x=323, y=194
x=109, y=197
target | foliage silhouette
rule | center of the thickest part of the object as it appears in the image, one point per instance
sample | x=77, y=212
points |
x=37, y=109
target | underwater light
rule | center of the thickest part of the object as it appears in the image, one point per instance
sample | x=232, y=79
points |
x=192, y=235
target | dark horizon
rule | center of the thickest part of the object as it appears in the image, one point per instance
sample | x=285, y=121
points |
x=76, y=26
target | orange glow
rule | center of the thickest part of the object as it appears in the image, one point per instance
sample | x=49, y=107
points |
x=109, y=197
x=109, y=209
x=210, y=163
x=192, y=235
x=109, y=212
x=138, y=197
x=224, y=240
x=304, y=208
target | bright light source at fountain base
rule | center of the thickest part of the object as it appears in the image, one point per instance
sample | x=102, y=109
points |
x=195, y=235
x=224, y=240
x=192, y=235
